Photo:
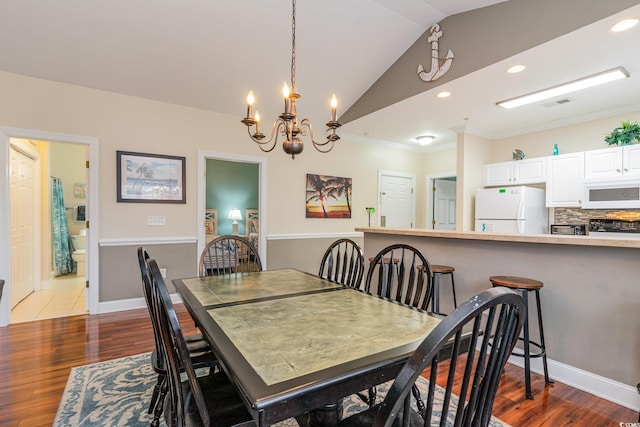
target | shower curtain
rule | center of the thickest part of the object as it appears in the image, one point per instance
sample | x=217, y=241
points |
x=62, y=260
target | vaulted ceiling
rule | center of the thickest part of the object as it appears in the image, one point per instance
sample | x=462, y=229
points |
x=209, y=54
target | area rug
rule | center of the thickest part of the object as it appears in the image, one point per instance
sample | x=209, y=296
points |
x=117, y=393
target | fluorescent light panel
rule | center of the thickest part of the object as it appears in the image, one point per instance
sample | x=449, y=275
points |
x=586, y=82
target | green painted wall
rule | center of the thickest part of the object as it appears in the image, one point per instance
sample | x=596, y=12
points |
x=232, y=185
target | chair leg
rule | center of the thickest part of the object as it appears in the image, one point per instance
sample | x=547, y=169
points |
x=416, y=394
x=453, y=290
x=435, y=302
x=542, y=344
x=159, y=406
x=527, y=358
x=156, y=393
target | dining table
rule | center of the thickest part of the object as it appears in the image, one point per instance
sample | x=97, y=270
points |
x=292, y=342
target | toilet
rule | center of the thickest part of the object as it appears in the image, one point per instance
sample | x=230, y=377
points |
x=79, y=242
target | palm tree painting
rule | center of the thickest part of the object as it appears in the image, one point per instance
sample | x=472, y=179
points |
x=328, y=197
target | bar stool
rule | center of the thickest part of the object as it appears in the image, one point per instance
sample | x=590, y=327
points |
x=438, y=271
x=526, y=285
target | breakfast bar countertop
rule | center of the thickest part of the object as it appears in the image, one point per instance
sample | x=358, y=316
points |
x=554, y=239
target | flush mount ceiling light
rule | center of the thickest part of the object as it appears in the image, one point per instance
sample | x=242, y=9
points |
x=516, y=69
x=444, y=94
x=425, y=139
x=586, y=82
x=287, y=123
x=624, y=25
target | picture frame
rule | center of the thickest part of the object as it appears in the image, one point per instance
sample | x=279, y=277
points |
x=328, y=196
x=252, y=217
x=150, y=178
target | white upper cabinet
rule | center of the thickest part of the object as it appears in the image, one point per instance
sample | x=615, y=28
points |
x=565, y=174
x=517, y=172
x=614, y=162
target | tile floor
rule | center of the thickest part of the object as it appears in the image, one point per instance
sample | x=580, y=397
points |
x=65, y=297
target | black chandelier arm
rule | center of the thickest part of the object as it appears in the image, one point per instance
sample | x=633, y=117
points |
x=326, y=145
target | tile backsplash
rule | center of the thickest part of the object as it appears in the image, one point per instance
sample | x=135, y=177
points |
x=576, y=216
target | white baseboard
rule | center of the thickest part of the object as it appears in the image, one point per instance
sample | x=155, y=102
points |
x=129, y=304
x=605, y=388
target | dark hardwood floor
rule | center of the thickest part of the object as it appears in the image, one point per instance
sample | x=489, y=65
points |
x=36, y=358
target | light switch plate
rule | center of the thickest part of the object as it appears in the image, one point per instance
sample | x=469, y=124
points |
x=156, y=220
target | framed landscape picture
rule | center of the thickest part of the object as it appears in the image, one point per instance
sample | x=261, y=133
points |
x=328, y=197
x=150, y=178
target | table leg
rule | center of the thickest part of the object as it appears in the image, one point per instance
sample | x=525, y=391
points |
x=328, y=415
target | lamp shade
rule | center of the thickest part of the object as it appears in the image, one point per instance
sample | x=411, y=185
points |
x=235, y=214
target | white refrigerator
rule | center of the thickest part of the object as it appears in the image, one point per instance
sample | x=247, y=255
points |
x=518, y=210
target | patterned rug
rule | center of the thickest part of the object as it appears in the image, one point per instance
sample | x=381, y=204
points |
x=117, y=392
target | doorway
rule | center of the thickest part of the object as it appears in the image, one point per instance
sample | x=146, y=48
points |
x=59, y=289
x=249, y=216
x=442, y=203
x=396, y=199
x=13, y=265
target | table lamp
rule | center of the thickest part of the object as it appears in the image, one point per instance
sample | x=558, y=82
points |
x=235, y=215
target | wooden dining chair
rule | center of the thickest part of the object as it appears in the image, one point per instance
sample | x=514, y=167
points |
x=228, y=255
x=204, y=400
x=397, y=273
x=199, y=349
x=343, y=262
x=495, y=315
x=401, y=273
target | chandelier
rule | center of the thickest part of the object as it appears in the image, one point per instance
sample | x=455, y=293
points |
x=287, y=124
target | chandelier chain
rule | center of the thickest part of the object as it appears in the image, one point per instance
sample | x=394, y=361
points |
x=293, y=48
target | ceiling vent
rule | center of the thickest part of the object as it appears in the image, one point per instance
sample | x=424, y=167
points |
x=557, y=102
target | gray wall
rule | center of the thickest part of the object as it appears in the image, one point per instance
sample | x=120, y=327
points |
x=589, y=300
x=302, y=254
x=120, y=273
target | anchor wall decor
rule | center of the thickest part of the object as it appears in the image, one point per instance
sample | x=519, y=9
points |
x=439, y=66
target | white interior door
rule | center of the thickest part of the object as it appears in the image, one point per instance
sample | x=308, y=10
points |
x=23, y=195
x=397, y=199
x=444, y=204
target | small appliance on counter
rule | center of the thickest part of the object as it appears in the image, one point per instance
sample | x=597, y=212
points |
x=614, y=228
x=569, y=230
x=518, y=210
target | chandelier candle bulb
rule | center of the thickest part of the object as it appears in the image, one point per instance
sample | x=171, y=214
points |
x=257, y=122
x=287, y=101
x=250, y=100
x=334, y=104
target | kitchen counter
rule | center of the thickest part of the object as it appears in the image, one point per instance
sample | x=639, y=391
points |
x=589, y=300
x=554, y=239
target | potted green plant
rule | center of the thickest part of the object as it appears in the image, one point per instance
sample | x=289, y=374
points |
x=626, y=134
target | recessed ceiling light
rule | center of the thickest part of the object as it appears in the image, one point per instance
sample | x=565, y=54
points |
x=443, y=94
x=516, y=69
x=425, y=139
x=624, y=25
x=552, y=92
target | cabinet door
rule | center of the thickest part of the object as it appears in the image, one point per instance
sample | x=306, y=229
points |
x=498, y=174
x=605, y=163
x=631, y=160
x=530, y=171
x=564, y=180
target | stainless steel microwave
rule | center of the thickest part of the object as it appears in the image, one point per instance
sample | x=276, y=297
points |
x=570, y=230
